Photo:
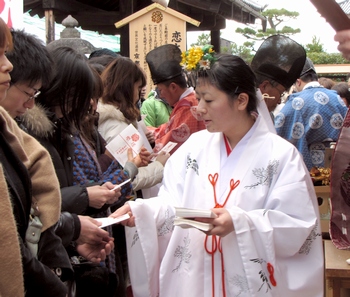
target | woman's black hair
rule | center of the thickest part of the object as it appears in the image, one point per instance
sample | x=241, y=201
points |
x=72, y=85
x=231, y=75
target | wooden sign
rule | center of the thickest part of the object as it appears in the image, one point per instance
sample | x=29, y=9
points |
x=151, y=27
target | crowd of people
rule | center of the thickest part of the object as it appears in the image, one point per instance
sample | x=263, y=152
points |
x=234, y=155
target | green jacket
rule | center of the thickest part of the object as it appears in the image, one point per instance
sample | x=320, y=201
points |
x=157, y=111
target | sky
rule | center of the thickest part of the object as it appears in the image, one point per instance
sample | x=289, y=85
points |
x=309, y=22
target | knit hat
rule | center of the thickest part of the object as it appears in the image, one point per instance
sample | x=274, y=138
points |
x=164, y=62
x=281, y=59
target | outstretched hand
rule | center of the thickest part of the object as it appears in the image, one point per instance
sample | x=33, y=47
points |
x=90, y=232
x=142, y=159
x=95, y=252
x=125, y=209
x=162, y=157
x=150, y=136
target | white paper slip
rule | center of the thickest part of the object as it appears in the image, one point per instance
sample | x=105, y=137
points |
x=166, y=148
x=119, y=145
x=185, y=223
x=142, y=123
x=141, y=127
x=121, y=184
x=110, y=221
x=194, y=213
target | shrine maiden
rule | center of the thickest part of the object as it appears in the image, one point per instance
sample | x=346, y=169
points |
x=266, y=240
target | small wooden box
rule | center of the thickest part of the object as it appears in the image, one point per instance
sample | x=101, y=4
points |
x=323, y=196
x=337, y=271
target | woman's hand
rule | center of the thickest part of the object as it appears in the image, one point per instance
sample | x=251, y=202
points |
x=96, y=252
x=150, y=136
x=223, y=224
x=101, y=195
x=162, y=157
x=125, y=209
x=90, y=232
x=145, y=156
x=142, y=159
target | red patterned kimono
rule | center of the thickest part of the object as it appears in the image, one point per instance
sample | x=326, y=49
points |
x=340, y=189
x=181, y=124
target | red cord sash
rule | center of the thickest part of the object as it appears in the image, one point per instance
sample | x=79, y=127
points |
x=216, y=243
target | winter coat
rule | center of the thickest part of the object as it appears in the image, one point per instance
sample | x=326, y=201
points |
x=28, y=176
x=157, y=111
x=111, y=123
x=51, y=132
x=38, y=124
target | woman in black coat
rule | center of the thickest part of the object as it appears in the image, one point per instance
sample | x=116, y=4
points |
x=85, y=188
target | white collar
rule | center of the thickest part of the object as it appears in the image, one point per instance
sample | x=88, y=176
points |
x=186, y=93
x=312, y=84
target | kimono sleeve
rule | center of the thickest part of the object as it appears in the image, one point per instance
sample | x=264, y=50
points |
x=179, y=128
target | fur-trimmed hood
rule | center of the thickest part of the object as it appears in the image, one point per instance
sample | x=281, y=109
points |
x=108, y=112
x=36, y=121
x=111, y=121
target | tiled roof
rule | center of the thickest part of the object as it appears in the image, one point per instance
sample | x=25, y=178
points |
x=254, y=5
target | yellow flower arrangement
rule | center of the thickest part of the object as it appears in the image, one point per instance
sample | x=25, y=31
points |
x=198, y=58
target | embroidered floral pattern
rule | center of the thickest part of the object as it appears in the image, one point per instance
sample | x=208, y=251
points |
x=241, y=283
x=183, y=253
x=306, y=248
x=192, y=164
x=264, y=176
x=167, y=226
x=266, y=276
x=135, y=238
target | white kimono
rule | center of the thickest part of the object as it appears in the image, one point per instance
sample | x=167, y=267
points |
x=276, y=247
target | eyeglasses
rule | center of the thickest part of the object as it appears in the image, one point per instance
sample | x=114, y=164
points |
x=282, y=93
x=30, y=97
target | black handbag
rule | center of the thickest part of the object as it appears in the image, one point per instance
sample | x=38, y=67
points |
x=90, y=279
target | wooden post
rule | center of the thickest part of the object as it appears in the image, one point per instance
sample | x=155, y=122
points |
x=49, y=25
x=215, y=39
x=126, y=9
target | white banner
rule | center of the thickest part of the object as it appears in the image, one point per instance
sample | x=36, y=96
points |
x=11, y=11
